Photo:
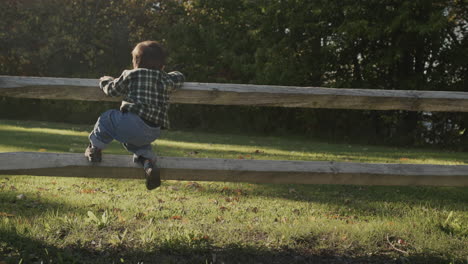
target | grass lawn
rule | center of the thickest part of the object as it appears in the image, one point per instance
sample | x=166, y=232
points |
x=79, y=220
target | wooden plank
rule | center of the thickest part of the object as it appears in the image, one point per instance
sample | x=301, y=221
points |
x=254, y=171
x=243, y=94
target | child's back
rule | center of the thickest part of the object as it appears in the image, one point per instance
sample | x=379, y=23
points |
x=146, y=92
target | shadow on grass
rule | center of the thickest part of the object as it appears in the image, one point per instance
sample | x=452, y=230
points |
x=29, y=205
x=367, y=200
x=16, y=248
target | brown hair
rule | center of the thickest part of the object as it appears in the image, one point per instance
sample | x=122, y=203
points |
x=149, y=54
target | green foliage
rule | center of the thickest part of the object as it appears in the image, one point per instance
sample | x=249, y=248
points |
x=454, y=225
x=101, y=222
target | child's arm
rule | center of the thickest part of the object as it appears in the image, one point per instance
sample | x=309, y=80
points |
x=178, y=79
x=114, y=87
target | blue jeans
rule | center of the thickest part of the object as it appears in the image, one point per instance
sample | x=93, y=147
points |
x=129, y=129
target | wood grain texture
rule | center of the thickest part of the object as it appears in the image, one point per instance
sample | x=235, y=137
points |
x=244, y=94
x=254, y=171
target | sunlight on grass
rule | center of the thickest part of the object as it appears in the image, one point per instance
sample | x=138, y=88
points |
x=56, y=137
x=42, y=130
x=263, y=153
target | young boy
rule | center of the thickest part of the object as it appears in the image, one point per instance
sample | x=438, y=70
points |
x=143, y=112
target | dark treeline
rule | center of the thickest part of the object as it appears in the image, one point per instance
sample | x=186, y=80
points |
x=411, y=45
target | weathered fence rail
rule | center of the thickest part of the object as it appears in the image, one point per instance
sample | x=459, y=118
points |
x=243, y=94
x=257, y=171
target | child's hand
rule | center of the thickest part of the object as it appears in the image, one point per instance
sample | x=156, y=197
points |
x=106, y=78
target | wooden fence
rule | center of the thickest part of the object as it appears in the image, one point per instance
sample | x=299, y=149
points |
x=258, y=171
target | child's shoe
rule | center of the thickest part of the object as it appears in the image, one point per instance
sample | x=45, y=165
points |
x=93, y=154
x=153, y=179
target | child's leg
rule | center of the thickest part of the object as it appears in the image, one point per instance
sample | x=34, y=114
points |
x=145, y=151
x=105, y=129
x=145, y=156
x=136, y=136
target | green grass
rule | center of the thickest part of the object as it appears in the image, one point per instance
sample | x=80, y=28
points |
x=57, y=137
x=79, y=220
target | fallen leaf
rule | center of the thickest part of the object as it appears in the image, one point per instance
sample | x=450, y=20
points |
x=121, y=218
x=205, y=237
x=176, y=217
x=117, y=210
x=219, y=219
x=239, y=191
x=240, y=157
x=182, y=198
x=173, y=188
x=140, y=215
x=259, y=151
x=6, y=214
x=87, y=191
x=222, y=208
x=194, y=185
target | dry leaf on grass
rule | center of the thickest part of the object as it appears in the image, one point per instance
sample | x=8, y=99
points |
x=6, y=214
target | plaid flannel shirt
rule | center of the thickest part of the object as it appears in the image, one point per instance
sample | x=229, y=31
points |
x=146, y=92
